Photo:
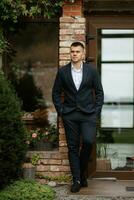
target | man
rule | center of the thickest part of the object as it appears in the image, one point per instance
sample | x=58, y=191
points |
x=78, y=82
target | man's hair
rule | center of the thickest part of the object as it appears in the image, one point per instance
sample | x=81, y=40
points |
x=76, y=44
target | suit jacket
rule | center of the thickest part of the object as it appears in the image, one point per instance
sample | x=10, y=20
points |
x=82, y=99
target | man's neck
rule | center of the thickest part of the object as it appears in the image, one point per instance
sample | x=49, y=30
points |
x=77, y=65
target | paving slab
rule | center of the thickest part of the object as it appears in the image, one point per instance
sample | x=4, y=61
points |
x=98, y=190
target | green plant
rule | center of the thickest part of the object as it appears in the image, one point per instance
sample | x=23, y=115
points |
x=3, y=43
x=48, y=134
x=62, y=178
x=13, y=134
x=102, y=150
x=35, y=158
x=52, y=133
x=11, y=11
x=27, y=190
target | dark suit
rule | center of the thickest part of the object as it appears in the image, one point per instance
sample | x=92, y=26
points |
x=78, y=110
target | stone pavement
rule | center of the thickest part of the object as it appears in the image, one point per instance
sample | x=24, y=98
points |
x=62, y=193
x=97, y=190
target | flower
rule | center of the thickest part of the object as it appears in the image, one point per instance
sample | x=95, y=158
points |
x=48, y=134
x=34, y=135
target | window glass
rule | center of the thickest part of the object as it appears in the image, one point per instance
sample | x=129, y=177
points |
x=117, y=116
x=117, y=49
x=117, y=31
x=117, y=80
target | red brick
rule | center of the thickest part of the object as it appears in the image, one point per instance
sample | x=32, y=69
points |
x=67, y=20
x=79, y=37
x=56, y=155
x=65, y=37
x=66, y=31
x=62, y=143
x=53, y=174
x=62, y=137
x=54, y=162
x=61, y=130
x=64, y=155
x=65, y=162
x=72, y=26
x=43, y=162
x=63, y=149
x=42, y=168
x=79, y=31
x=67, y=7
x=45, y=154
x=56, y=168
x=75, y=13
x=73, y=8
x=81, y=20
x=76, y=8
x=64, y=50
x=64, y=168
x=65, y=25
x=65, y=43
x=64, y=56
x=61, y=63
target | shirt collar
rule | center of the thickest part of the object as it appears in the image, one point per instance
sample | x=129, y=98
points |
x=77, y=70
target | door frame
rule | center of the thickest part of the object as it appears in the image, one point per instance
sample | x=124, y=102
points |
x=93, y=24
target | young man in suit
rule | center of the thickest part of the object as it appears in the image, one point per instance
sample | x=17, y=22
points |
x=78, y=82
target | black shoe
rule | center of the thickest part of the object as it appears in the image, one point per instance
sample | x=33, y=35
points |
x=76, y=186
x=84, y=182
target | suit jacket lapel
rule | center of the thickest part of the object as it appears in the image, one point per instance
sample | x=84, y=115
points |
x=70, y=78
x=85, y=74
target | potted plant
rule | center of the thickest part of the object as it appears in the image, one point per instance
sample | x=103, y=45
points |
x=29, y=168
x=103, y=140
x=43, y=138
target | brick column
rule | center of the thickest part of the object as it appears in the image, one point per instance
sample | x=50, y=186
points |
x=72, y=28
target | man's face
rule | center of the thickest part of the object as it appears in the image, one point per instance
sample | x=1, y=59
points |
x=76, y=54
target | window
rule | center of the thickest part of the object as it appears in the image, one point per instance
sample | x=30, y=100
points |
x=115, y=139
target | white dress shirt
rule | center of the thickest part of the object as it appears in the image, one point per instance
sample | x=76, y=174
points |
x=77, y=75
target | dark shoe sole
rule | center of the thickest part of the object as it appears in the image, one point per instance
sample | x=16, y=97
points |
x=84, y=185
x=75, y=188
x=74, y=191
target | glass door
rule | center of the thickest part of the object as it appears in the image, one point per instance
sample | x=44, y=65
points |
x=115, y=137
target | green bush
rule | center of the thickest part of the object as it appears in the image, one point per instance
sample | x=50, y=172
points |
x=27, y=190
x=12, y=134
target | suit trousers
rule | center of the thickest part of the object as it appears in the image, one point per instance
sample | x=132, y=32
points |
x=80, y=130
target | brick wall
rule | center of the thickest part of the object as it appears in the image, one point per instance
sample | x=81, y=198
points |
x=72, y=28
x=52, y=163
x=72, y=9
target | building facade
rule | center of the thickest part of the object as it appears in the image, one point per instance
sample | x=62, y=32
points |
x=106, y=27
